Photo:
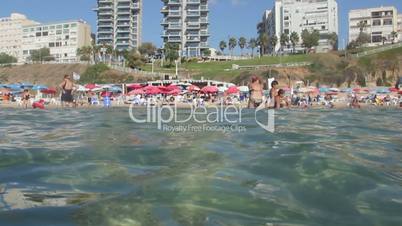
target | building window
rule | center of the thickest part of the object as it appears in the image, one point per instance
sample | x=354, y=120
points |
x=286, y=17
x=376, y=22
x=45, y=33
x=38, y=34
x=286, y=31
x=51, y=44
x=73, y=25
x=388, y=22
x=58, y=32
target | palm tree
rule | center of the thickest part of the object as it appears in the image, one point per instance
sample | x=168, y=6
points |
x=383, y=39
x=242, y=44
x=232, y=44
x=394, y=35
x=263, y=41
x=222, y=46
x=85, y=52
x=362, y=25
x=333, y=40
x=294, y=39
x=252, y=44
x=284, y=39
x=273, y=41
x=95, y=52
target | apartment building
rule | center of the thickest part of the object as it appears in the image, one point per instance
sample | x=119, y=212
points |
x=289, y=16
x=400, y=26
x=11, y=33
x=379, y=23
x=62, y=38
x=119, y=23
x=185, y=22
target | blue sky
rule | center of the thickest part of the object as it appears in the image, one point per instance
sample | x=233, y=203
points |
x=228, y=17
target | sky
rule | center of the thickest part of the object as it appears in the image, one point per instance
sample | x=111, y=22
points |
x=227, y=17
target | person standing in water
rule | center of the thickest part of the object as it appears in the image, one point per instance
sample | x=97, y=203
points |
x=273, y=93
x=67, y=91
x=256, y=92
x=25, y=98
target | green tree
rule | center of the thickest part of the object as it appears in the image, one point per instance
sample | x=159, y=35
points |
x=171, y=51
x=273, y=41
x=362, y=25
x=242, y=44
x=232, y=44
x=294, y=39
x=263, y=41
x=363, y=38
x=394, y=35
x=252, y=44
x=41, y=55
x=135, y=59
x=93, y=73
x=206, y=52
x=283, y=40
x=7, y=59
x=85, y=53
x=333, y=40
x=310, y=39
x=223, y=46
x=147, y=49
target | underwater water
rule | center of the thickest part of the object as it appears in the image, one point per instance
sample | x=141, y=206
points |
x=97, y=167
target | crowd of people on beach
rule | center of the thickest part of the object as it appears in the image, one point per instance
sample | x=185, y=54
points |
x=252, y=96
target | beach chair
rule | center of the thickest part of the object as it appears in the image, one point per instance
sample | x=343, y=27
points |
x=95, y=100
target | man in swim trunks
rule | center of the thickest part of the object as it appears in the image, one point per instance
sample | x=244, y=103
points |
x=67, y=89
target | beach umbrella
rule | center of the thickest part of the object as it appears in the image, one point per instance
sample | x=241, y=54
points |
x=49, y=91
x=91, y=86
x=39, y=87
x=82, y=89
x=382, y=90
x=244, y=89
x=116, y=89
x=97, y=89
x=323, y=90
x=14, y=86
x=26, y=85
x=400, y=92
x=152, y=90
x=134, y=86
x=210, y=89
x=173, y=87
x=232, y=90
x=136, y=92
x=393, y=89
x=331, y=93
x=106, y=87
x=174, y=92
x=333, y=90
x=193, y=88
x=106, y=94
x=222, y=89
x=346, y=90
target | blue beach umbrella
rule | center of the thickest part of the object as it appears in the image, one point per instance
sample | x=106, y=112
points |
x=39, y=87
x=115, y=89
x=346, y=90
x=382, y=90
x=14, y=86
x=26, y=85
x=324, y=90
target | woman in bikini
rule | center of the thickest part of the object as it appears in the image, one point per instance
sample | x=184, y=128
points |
x=256, y=92
x=25, y=98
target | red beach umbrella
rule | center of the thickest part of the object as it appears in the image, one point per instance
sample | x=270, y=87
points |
x=232, y=90
x=152, y=90
x=137, y=92
x=91, y=86
x=193, y=88
x=134, y=86
x=174, y=92
x=49, y=91
x=172, y=87
x=393, y=89
x=210, y=89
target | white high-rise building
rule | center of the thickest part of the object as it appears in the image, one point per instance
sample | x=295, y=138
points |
x=62, y=38
x=185, y=22
x=380, y=23
x=119, y=23
x=289, y=16
x=11, y=34
x=400, y=26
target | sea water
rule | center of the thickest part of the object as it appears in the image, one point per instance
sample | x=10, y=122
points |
x=97, y=167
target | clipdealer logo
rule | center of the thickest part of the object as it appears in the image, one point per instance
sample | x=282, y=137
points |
x=202, y=119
